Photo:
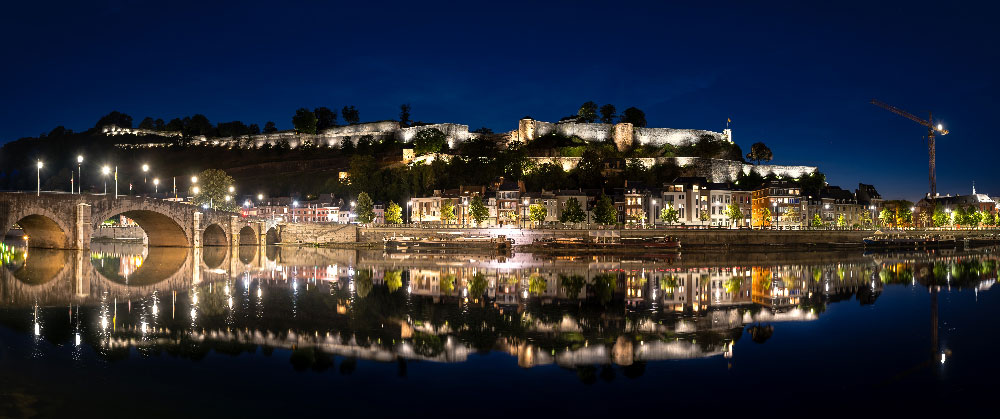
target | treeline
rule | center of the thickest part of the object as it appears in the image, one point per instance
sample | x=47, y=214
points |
x=608, y=114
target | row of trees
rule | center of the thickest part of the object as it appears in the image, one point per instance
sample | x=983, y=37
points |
x=588, y=112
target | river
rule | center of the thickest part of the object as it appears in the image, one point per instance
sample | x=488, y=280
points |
x=280, y=331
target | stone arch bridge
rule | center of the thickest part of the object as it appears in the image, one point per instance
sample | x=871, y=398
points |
x=67, y=221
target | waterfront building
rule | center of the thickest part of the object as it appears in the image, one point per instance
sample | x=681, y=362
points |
x=924, y=209
x=743, y=200
x=776, y=204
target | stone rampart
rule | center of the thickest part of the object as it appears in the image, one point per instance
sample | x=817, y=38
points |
x=715, y=170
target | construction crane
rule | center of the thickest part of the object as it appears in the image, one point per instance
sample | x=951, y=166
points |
x=932, y=130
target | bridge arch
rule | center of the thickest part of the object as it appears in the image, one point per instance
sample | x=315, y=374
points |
x=43, y=231
x=272, y=236
x=156, y=265
x=248, y=236
x=161, y=230
x=214, y=235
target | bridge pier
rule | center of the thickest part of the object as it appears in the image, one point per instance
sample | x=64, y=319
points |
x=82, y=226
x=196, y=230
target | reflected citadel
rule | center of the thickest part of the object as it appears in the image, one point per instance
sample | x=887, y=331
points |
x=322, y=304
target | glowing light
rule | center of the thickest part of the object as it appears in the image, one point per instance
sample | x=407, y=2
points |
x=79, y=159
x=105, y=170
x=104, y=323
x=940, y=127
x=943, y=356
x=194, y=179
x=38, y=329
x=232, y=189
x=143, y=327
x=40, y=164
x=78, y=339
x=145, y=168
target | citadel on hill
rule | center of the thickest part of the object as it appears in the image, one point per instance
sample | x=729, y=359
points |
x=623, y=135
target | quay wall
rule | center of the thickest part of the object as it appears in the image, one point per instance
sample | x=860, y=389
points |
x=317, y=233
x=688, y=237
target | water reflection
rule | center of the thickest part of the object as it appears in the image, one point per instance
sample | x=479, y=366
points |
x=579, y=313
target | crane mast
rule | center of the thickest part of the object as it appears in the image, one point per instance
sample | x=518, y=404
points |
x=931, y=132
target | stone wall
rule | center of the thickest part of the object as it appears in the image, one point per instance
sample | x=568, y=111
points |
x=454, y=133
x=624, y=135
x=715, y=170
x=317, y=233
x=673, y=136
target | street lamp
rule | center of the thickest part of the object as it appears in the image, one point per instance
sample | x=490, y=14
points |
x=409, y=216
x=524, y=210
x=39, y=192
x=232, y=189
x=156, y=186
x=105, y=171
x=194, y=179
x=79, y=173
x=775, y=215
x=145, y=170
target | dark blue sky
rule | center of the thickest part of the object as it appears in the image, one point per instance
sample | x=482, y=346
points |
x=797, y=76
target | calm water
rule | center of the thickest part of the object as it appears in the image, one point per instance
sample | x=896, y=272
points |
x=125, y=330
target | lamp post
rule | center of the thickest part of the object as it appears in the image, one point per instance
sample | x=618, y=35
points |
x=145, y=171
x=116, y=182
x=39, y=191
x=79, y=173
x=652, y=216
x=872, y=207
x=524, y=212
x=409, y=216
x=156, y=186
x=775, y=215
x=105, y=171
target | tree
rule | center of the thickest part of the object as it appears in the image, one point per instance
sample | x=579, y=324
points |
x=634, y=116
x=669, y=215
x=572, y=213
x=588, y=111
x=940, y=217
x=447, y=211
x=325, y=118
x=147, y=123
x=637, y=217
x=394, y=214
x=198, y=124
x=866, y=219
x=430, y=140
x=254, y=129
x=478, y=210
x=704, y=216
x=213, y=188
x=537, y=213
x=759, y=152
x=350, y=114
x=904, y=216
x=605, y=212
x=608, y=114
x=765, y=217
x=976, y=218
x=115, y=118
x=365, y=208
x=817, y=221
x=841, y=221
x=734, y=213
x=887, y=217
x=404, y=115
x=792, y=216
x=174, y=125
x=304, y=121
x=158, y=124
x=269, y=127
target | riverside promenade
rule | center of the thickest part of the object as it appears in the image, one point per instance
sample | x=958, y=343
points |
x=321, y=233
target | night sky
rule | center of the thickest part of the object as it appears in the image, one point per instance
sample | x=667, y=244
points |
x=796, y=76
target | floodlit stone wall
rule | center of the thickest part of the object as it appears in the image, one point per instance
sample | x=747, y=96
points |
x=715, y=170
